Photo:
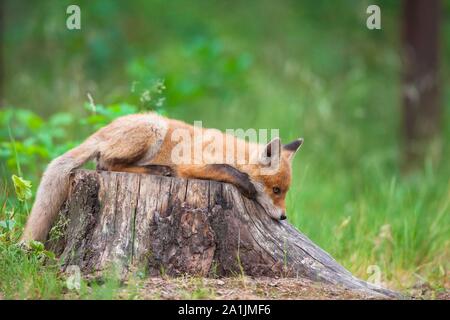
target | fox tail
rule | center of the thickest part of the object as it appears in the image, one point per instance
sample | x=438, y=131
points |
x=54, y=188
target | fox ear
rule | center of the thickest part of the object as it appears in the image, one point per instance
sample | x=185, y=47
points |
x=272, y=148
x=292, y=147
x=269, y=152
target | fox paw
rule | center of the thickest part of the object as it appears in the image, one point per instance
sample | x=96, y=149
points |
x=246, y=187
x=249, y=190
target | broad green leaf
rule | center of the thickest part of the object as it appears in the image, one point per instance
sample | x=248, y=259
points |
x=22, y=188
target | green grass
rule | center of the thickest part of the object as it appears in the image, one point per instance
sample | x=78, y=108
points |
x=362, y=211
x=316, y=73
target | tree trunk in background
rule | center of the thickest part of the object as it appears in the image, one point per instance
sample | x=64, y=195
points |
x=421, y=105
x=179, y=226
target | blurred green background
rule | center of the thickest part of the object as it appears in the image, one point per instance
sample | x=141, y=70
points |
x=310, y=68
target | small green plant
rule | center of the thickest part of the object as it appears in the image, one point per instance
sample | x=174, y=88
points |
x=150, y=97
x=194, y=288
x=7, y=227
x=57, y=231
x=38, y=250
x=238, y=257
x=22, y=188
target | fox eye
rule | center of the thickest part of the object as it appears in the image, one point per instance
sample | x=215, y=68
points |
x=276, y=190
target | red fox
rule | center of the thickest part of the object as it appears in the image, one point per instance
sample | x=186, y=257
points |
x=144, y=143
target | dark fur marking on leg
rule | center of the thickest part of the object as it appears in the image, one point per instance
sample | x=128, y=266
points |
x=240, y=179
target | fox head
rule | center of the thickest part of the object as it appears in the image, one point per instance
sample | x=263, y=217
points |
x=271, y=175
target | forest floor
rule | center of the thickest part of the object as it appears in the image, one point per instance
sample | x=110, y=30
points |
x=247, y=288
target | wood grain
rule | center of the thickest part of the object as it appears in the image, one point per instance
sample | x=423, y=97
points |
x=179, y=226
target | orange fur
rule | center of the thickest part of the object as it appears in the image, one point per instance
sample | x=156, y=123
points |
x=133, y=142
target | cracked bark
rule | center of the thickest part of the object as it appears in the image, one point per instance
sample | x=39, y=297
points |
x=179, y=226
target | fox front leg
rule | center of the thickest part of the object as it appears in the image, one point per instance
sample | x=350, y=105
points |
x=221, y=173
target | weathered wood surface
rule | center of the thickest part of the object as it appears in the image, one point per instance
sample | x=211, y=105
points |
x=184, y=226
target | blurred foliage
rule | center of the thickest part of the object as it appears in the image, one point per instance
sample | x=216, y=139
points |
x=309, y=68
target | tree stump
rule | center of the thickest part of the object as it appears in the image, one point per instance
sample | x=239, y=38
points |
x=179, y=226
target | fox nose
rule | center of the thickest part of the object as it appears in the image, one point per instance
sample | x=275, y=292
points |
x=283, y=216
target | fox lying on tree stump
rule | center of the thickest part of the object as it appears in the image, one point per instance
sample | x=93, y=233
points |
x=143, y=206
x=146, y=143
